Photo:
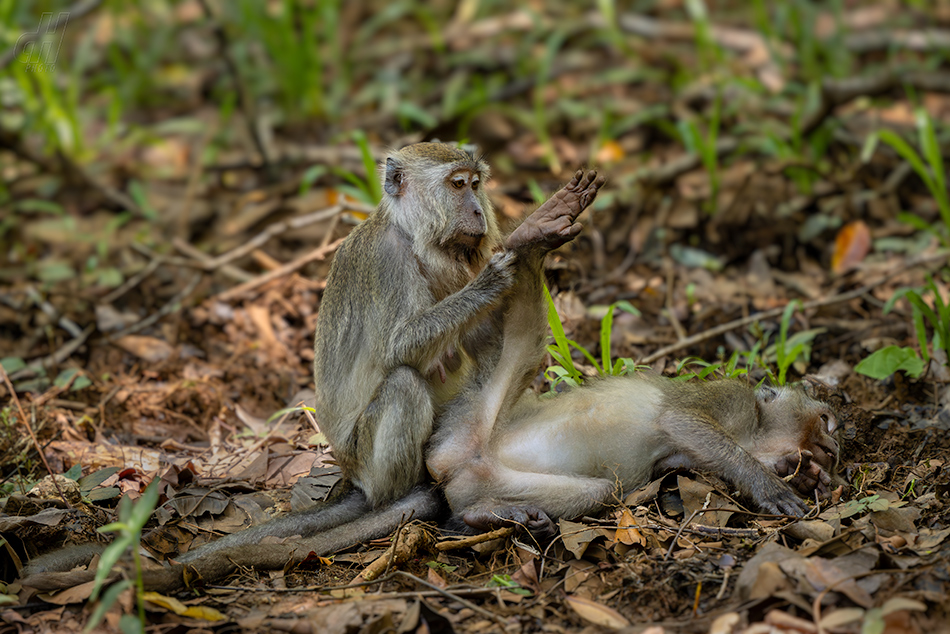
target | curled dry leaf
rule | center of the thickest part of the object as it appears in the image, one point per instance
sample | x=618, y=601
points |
x=597, y=613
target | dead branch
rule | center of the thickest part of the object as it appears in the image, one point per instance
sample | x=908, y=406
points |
x=406, y=544
x=292, y=266
x=837, y=92
x=467, y=542
x=777, y=312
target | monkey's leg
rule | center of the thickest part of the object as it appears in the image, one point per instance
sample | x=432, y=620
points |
x=391, y=434
x=701, y=444
x=487, y=496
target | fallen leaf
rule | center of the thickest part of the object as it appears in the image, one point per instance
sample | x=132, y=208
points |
x=627, y=532
x=609, y=152
x=176, y=606
x=597, y=613
x=146, y=348
x=852, y=243
x=841, y=617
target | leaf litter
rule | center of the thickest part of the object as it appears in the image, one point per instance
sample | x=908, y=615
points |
x=181, y=386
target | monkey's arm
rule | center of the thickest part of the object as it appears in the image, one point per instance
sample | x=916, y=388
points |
x=699, y=442
x=423, y=338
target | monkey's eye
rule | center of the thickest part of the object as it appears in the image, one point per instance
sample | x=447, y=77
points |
x=475, y=183
x=458, y=182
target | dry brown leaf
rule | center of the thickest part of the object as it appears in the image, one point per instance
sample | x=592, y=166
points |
x=146, y=348
x=627, y=532
x=852, y=243
x=787, y=622
x=841, y=617
x=725, y=623
x=610, y=152
x=597, y=613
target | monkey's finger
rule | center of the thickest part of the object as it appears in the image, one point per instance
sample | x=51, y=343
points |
x=586, y=181
x=571, y=231
x=573, y=183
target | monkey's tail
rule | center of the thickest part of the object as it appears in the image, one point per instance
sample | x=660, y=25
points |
x=208, y=565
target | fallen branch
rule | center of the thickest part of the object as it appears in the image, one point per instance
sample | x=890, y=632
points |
x=66, y=351
x=172, y=306
x=472, y=540
x=271, y=231
x=837, y=92
x=292, y=266
x=777, y=312
x=406, y=544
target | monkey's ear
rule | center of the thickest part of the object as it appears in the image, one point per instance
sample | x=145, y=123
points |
x=765, y=393
x=394, y=183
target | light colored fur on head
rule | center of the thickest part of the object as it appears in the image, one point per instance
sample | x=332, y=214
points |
x=422, y=210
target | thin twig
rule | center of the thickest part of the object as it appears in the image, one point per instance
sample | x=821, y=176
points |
x=454, y=597
x=173, y=306
x=472, y=540
x=776, y=312
x=271, y=231
x=290, y=267
x=837, y=92
x=68, y=168
x=133, y=281
x=245, y=99
x=29, y=430
x=56, y=358
x=202, y=259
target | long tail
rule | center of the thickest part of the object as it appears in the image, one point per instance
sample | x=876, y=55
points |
x=325, y=530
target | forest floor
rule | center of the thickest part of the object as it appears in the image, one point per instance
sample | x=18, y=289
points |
x=159, y=299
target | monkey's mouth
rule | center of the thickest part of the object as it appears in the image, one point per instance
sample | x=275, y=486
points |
x=470, y=240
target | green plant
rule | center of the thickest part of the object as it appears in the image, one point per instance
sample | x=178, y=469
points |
x=787, y=349
x=132, y=519
x=368, y=190
x=705, y=147
x=565, y=371
x=509, y=584
x=869, y=504
x=728, y=368
x=930, y=172
x=888, y=360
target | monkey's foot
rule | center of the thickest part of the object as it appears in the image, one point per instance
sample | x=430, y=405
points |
x=553, y=223
x=532, y=518
x=804, y=473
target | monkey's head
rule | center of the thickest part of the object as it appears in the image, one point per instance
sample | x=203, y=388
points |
x=435, y=192
x=790, y=418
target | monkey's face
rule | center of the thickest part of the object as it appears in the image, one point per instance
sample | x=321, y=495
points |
x=791, y=420
x=436, y=192
x=463, y=193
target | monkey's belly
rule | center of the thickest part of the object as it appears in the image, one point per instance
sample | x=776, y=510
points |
x=584, y=448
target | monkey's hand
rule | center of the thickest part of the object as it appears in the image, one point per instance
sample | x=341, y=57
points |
x=553, y=223
x=498, y=275
x=804, y=473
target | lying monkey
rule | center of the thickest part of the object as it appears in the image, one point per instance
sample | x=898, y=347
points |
x=567, y=456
